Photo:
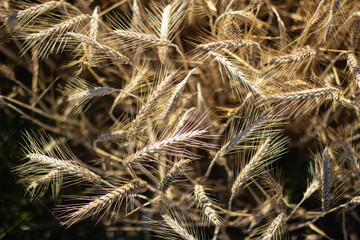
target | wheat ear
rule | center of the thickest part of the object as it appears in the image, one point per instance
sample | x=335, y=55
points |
x=183, y=138
x=229, y=145
x=45, y=40
x=354, y=67
x=105, y=49
x=236, y=77
x=114, y=197
x=176, y=226
x=206, y=204
x=304, y=94
x=230, y=44
x=34, y=11
x=176, y=93
x=296, y=58
x=274, y=230
x=60, y=158
x=174, y=172
x=249, y=170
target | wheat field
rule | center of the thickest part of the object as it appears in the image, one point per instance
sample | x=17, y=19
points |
x=188, y=119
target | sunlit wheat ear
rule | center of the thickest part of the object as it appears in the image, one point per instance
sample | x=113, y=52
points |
x=81, y=94
x=268, y=151
x=165, y=21
x=231, y=45
x=37, y=185
x=137, y=35
x=111, y=199
x=354, y=68
x=237, y=78
x=176, y=170
x=228, y=44
x=274, y=230
x=94, y=30
x=51, y=38
x=51, y=166
x=173, y=226
x=31, y=11
x=295, y=59
x=207, y=205
x=102, y=50
x=151, y=109
x=300, y=102
x=314, y=22
x=173, y=143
